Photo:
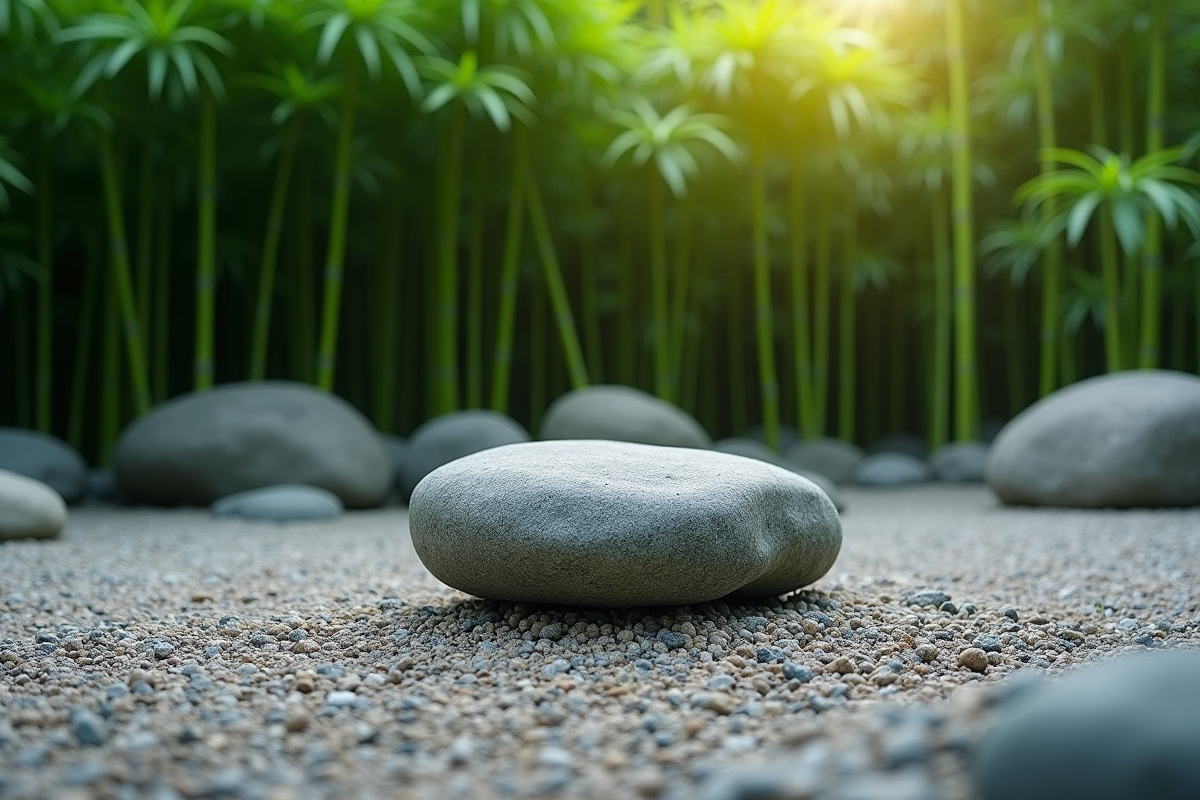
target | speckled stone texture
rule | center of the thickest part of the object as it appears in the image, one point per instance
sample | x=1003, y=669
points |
x=617, y=524
x=202, y=446
x=1125, y=439
x=624, y=414
x=1129, y=728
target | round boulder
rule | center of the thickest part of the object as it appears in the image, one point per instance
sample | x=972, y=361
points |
x=960, y=462
x=891, y=469
x=624, y=414
x=29, y=509
x=604, y=523
x=286, y=503
x=832, y=458
x=1126, y=439
x=206, y=445
x=460, y=433
x=44, y=458
x=1123, y=729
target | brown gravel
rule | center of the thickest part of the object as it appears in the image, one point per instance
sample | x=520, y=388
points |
x=164, y=654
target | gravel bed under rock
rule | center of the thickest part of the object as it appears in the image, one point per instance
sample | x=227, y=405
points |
x=166, y=654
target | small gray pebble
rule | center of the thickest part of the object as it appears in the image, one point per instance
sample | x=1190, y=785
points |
x=672, y=639
x=88, y=728
x=768, y=655
x=297, y=634
x=948, y=607
x=797, y=672
x=719, y=683
x=554, y=631
x=927, y=597
x=987, y=643
x=163, y=650
x=1011, y=613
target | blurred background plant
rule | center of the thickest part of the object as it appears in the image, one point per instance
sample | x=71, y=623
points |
x=763, y=210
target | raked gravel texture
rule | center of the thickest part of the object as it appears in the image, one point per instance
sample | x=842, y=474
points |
x=165, y=654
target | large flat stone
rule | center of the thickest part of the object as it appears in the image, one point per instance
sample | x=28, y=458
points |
x=606, y=523
x=44, y=458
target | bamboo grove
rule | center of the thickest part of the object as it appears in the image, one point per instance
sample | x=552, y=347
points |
x=845, y=217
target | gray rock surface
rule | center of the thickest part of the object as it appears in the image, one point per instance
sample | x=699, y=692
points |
x=960, y=462
x=1127, y=728
x=748, y=447
x=908, y=443
x=618, y=524
x=29, y=509
x=442, y=439
x=203, y=446
x=284, y=503
x=623, y=414
x=833, y=458
x=102, y=487
x=44, y=458
x=1126, y=439
x=891, y=469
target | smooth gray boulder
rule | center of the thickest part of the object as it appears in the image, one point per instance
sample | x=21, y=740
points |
x=286, y=503
x=460, y=433
x=29, y=509
x=623, y=414
x=907, y=443
x=1126, y=439
x=752, y=448
x=1126, y=728
x=44, y=458
x=832, y=458
x=206, y=445
x=604, y=523
x=891, y=469
x=960, y=462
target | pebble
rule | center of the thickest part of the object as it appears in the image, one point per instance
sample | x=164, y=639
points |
x=927, y=597
x=88, y=728
x=797, y=672
x=973, y=658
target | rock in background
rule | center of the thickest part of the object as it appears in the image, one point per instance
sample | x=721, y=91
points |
x=44, y=458
x=623, y=414
x=29, y=509
x=286, y=503
x=460, y=433
x=1125, y=439
x=202, y=446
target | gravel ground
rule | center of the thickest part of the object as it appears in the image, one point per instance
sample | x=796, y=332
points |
x=165, y=654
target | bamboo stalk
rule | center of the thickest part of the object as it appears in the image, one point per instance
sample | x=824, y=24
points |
x=45, y=297
x=475, y=278
x=801, y=320
x=206, y=240
x=270, y=252
x=1052, y=258
x=821, y=333
x=120, y=265
x=768, y=383
x=593, y=336
x=336, y=254
x=1152, y=256
x=1112, y=292
x=161, y=321
x=966, y=401
x=939, y=403
x=386, y=333
x=445, y=345
x=664, y=378
x=847, y=325
x=556, y=289
x=510, y=274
